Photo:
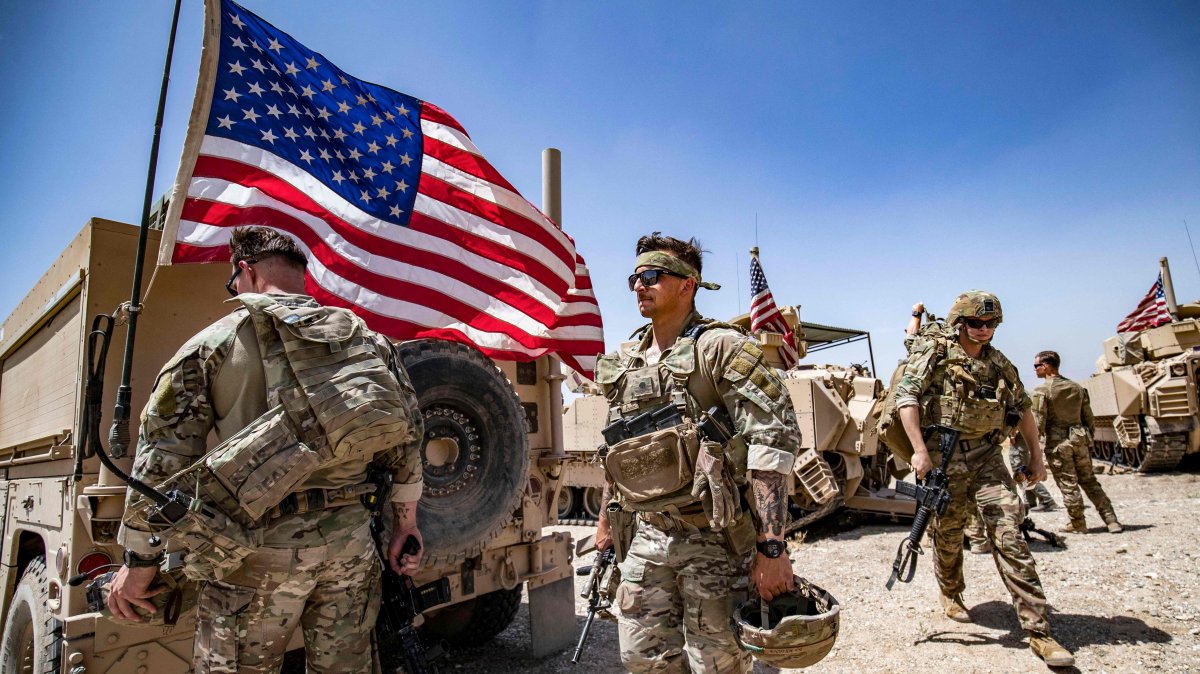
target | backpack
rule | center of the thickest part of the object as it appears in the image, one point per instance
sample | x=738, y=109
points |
x=890, y=428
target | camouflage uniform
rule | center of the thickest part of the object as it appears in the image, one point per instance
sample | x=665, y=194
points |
x=1018, y=455
x=1068, y=416
x=316, y=569
x=977, y=474
x=681, y=580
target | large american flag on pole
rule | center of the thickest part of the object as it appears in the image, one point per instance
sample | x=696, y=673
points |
x=1151, y=311
x=402, y=218
x=765, y=316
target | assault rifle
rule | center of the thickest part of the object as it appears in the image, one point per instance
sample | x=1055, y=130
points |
x=1028, y=527
x=402, y=600
x=932, y=497
x=649, y=421
x=597, y=599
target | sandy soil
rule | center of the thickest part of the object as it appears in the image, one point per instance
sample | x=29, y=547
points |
x=1123, y=603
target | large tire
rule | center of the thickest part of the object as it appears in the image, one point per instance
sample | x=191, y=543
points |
x=475, y=451
x=32, y=642
x=568, y=501
x=476, y=621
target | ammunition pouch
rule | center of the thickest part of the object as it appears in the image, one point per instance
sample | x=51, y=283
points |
x=654, y=471
x=972, y=416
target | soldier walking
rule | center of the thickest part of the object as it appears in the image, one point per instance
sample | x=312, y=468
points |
x=317, y=568
x=1069, y=427
x=963, y=382
x=696, y=547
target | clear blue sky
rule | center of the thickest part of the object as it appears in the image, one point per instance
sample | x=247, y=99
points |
x=889, y=152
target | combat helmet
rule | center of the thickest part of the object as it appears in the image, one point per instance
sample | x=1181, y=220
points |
x=975, y=304
x=801, y=628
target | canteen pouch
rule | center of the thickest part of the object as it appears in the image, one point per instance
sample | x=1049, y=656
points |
x=263, y=463
x=654, y=465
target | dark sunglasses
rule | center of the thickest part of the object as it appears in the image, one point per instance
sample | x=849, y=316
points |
x=650, y=277
x=1037, y=365
x=229, y=284
x=980, y=323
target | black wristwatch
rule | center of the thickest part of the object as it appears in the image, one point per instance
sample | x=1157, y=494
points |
x=133, y=560
x=772, y=548
x=917, y=314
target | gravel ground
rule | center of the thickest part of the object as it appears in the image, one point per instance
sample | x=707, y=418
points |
x=1122, y=603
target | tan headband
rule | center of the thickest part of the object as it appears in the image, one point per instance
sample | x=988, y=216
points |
x=657, y=258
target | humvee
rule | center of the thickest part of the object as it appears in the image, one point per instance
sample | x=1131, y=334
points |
x=492, y=451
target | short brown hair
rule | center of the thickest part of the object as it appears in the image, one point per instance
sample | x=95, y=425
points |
x=689, y=251
x=1049, y=357
x=257, y=242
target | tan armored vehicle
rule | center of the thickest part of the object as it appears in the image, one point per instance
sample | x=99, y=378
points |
x=841, y=464
x=492, y=451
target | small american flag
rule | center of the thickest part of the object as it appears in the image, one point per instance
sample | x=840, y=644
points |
x=1151, y=311
x=765, y=316
x=402, y=218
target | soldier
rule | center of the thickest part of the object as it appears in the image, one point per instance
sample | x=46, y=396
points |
x=1037, y=496
x=317, y=567
x=1069, y=427
x=696, y=547
x=963, y=382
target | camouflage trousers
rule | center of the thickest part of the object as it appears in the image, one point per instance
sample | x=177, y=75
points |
x=1038, y=493
x=678, y=590
x=331, y=592
x=980, y=481
x=1071, y=466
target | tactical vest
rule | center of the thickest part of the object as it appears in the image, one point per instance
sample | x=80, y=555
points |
x=655, y=472
x=333, y=400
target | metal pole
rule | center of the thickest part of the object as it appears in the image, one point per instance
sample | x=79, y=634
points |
x=871, y=353
x=118, y=436
x=1168, y=288
x=552, y=207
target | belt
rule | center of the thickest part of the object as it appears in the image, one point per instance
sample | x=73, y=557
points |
x=310, y=500
x=676, y=522
x=968, y=445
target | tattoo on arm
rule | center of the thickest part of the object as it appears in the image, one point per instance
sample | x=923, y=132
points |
x=770, y=496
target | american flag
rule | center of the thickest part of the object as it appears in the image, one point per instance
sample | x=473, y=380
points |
x=402, y=218
x=1151, y=311
x=765, y=316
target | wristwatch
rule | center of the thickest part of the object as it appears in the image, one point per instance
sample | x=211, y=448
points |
x=133, y=560
x=917, y=314
x=771, y=548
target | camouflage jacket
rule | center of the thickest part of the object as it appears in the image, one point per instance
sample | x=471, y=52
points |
x=1065, y=404
x=941, y=369
x=219, y=382
x=723, y=367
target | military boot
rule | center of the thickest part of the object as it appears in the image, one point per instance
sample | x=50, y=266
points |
x=1114, y=527
x=955, y=609
x=1050, y=650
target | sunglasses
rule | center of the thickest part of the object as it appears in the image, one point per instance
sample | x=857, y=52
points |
x=1037, y=365
x=980, y=323
x=650, y=277
x=229, y=284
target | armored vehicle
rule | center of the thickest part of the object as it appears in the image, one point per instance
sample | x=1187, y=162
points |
x=841, y=463
x=1145, y=397
x=492, y=450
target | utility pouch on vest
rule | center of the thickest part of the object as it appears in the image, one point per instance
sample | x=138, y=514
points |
x=263, y=462
x=216, y=544
x=1079, y=437
x=621, y=523
x=972, y=416
x=649, y=467
x=741, y=535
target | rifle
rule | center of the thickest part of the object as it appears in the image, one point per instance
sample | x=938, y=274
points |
x=656, y=419
x=1028, y=527
x=597, y=601
x=402, y=599
x=932, y=497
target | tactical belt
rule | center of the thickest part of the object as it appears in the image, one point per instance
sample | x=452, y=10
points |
x=319, y=499
x=690, y=521
x=965, y=446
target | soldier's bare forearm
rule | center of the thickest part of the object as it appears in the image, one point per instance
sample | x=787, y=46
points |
x=405, y=514
x=606, y=496
x=771, y=499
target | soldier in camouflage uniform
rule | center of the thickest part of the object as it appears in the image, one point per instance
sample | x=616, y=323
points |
x=1037, y=495
x=690, y=563
x=317, y=569
x=1069, y=426
x=967, y=384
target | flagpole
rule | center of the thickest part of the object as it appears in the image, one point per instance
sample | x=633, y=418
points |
x=118, y=435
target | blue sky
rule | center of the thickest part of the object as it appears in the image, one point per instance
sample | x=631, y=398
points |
x=889, y=152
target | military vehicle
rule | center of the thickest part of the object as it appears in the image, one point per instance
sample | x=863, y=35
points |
x=492, y=451
x=841, y=464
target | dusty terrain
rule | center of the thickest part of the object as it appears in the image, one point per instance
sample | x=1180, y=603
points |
x=1122, y=603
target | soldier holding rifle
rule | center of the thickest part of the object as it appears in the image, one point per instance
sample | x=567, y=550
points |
x=962, y=382
x=697, y=545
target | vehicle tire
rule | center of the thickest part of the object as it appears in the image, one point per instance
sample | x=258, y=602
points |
x=591, y=501
x=475, y=451
x=32, y=642
x=568, y=500
x=476, y=621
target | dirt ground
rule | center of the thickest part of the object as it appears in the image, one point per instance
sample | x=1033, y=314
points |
x=1123, y=603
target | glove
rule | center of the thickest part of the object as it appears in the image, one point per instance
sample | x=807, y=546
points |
x=718, y=495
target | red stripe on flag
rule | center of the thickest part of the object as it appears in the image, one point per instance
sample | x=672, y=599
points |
x=435, y=114
x=465, y=162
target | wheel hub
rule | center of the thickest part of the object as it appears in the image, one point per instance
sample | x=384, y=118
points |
x=452, y=450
